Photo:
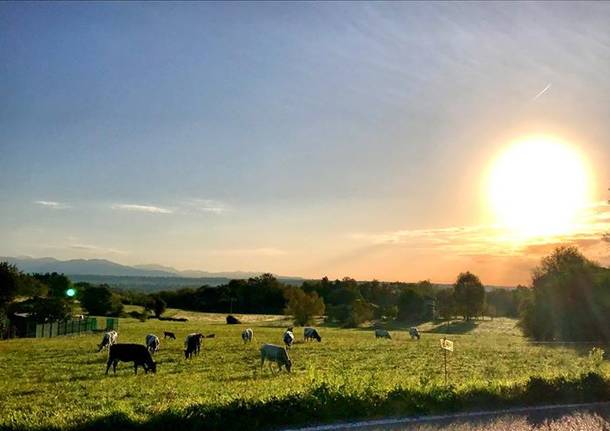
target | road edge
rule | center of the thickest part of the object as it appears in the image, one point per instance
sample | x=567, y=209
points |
x=432, y=418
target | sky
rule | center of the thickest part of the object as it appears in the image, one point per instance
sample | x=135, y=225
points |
x=305, y=139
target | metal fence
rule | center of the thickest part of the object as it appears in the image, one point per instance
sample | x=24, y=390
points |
x=31, y=329
x=55, y=329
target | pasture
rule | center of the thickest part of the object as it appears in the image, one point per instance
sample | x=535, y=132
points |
x=60, y=382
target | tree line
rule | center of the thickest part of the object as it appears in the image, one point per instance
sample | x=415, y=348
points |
x=569, y=299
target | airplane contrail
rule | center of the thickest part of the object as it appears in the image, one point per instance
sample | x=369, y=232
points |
x=544, y=90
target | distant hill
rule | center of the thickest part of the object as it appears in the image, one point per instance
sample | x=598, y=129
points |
x=103, y=267
x=145, y=276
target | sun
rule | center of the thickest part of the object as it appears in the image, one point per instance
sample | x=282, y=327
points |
x=538, y=187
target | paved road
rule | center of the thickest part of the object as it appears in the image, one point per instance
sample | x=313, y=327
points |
x=590, y=417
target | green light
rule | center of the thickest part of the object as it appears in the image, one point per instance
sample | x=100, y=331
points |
x=71, y=292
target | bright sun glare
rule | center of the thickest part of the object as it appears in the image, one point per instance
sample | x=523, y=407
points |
x=538, y=187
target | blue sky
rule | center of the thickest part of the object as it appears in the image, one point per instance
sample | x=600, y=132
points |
x=284, y=137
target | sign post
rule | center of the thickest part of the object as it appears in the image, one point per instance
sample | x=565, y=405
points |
x=446, y=346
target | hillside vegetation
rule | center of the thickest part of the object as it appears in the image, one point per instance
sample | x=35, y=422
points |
x=59, y=383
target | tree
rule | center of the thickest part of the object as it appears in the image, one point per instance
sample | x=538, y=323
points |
x=100, y=301
x=469, y=295
x=361, y=312
x=43, y=309
x=570, y=301
x=445, y=303
x=57, y=284
x=158, y=305
x=410, y=305
x=10, y=279
x=303, y=306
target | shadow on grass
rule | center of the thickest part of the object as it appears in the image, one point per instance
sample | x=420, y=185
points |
x=456, y=327
x=326, y=403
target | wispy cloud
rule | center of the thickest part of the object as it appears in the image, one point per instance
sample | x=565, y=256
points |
x=493, y=240
x=52, y=204
x=142, y=208
x=190, y=206
x=96, y=249
x=206, y=206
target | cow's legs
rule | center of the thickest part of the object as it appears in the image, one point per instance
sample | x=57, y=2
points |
x=108, y=365
x=114, y=364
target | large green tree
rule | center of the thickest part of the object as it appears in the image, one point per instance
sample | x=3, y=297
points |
x=100, y=301
x=156, y=304
x=469, y=295
x=57, y=283
x=571, y=299
x=43, y=309
x=15, y=283
x=410, y=305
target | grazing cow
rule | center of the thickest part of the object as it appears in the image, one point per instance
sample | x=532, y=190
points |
x=288, y=338
x=136, y=353
x=247, y=335
x=311, y=334
x=382, y=333
x=152, y=343
x=108, y=340
x=192, y=344
x=276, y=354
x=414, y=333
x=170, y=335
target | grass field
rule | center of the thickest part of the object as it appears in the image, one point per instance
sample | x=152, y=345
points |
x=60, y=382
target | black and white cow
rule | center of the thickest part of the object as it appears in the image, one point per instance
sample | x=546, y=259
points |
x=288, y=338
x=108, y=340
x=414, y=333
x=247, y=335
x=192, y=344
x=152, y=343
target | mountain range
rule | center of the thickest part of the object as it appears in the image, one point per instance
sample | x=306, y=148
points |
x=109, y=268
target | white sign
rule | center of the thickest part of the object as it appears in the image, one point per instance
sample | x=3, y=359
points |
x=446, y=344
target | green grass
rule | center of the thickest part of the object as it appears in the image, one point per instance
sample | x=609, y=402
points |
x=60, y=382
